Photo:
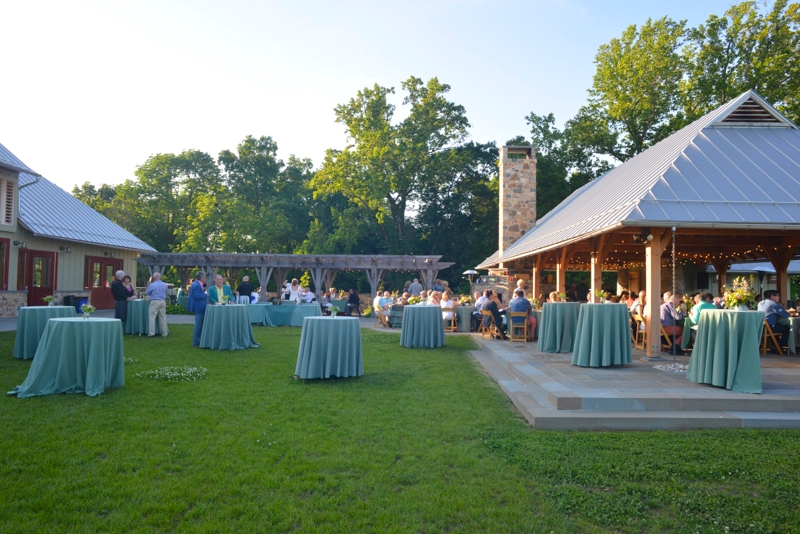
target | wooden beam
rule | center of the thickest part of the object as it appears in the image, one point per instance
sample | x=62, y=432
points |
x=598, y=246
x=653, y=251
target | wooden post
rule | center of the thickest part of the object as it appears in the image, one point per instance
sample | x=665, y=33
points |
x=596, y=266
x=561, y=271
x=721, y=267
x=653, y=251
x=536, y=276
x=263, y=274
x=780, y=259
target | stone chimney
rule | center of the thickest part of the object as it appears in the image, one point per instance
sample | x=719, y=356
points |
x=517, y=193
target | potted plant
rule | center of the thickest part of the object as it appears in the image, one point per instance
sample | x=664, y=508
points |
x=334, y=310
x=741, y=297
x=50, y=300
x=87, y=309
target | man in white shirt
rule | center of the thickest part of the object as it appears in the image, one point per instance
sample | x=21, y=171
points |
x=477, y=317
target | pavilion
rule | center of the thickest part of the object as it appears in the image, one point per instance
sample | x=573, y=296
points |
x=724, y=189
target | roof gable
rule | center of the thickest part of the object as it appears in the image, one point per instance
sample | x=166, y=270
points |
x=751, y=110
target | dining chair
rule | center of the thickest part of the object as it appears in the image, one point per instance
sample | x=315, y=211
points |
x=768, y=337
x=513, y=327
x=641, y=332
x=453, y=326
x=488, y=331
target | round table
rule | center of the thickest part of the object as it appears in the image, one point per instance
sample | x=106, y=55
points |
x=291, y=315
x=30, y=326
x=464, y=314
x=602, y=337
x=138, y=321
x=557, y=328
x=330, y=346
x=76, y=355
x=423, y=327
x=726, y=350
x=227, y=327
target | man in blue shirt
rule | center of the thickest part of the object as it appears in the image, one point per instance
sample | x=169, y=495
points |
x=771, y=306
x=197, y=305
x=669, y=319
x=157, y=291
x=520, y=304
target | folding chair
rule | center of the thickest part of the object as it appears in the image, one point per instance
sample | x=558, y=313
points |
x=633, y=327
x=453, y=326
x=641, y=332
x=666, y=342
x=380, y=318
x=513, y=327
x=489, y=331
x=767, y=337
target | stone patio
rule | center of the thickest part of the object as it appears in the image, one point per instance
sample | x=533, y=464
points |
x=553, y=394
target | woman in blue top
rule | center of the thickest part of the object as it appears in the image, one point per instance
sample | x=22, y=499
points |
x=218, y=291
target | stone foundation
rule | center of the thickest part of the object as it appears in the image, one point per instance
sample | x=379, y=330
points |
x=11, y=302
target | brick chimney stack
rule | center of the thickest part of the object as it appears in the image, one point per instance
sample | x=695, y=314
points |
x=517, y=193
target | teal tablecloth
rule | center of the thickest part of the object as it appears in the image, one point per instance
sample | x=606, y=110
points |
x=330, y=346
x=30, y=326
x=227, y=328
x=536, y=314
x=558, y=323
x=138, y=321
x=794, y=324
x=258, y=315
x=423, y=327
x=183, y=301
x=341, y=304
x=76, y=355
x=291, y=315
x=726, y=350
x=464, y=314
x=603, y=337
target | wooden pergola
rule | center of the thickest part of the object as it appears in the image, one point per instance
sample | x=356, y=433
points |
x=726, y=188
x=322, y=267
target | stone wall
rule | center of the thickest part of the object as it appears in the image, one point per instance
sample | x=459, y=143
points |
x=11, y=302
x=517, y=194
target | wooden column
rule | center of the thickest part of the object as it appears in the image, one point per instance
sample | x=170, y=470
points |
x=780, y=259
x=263, y=273
x=536, y=275
x=561, y=271
x=721, y=267
x=596, y=266
x=653, y=251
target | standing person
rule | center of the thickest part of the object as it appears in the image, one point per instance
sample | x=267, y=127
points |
x=129, y=290
x=415, y=288
x=157, y=291
x=197, y=305
x=121, y=297
x=582, y=291
x=245, y=289
x=437, y=286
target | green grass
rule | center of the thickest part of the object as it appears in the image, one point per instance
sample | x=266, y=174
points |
x=423, y=442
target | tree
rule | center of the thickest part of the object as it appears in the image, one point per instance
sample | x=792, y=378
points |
x=635, y=89
x=96, y=198
x=386, y=166
x=744, y=49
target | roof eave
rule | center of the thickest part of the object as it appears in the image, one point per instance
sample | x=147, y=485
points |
x=717, y=225
x=60, y=238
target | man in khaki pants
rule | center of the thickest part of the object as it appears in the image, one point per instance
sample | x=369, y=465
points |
x=157, y=291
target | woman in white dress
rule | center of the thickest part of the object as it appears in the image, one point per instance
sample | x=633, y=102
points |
x=294, y=291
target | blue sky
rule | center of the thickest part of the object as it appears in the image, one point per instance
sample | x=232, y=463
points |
x=92, y=89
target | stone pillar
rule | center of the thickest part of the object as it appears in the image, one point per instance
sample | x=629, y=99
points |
x=517, y=194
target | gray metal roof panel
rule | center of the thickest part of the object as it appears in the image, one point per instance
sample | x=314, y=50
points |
x=9, y=160
x=704, y=174
x=49, y=211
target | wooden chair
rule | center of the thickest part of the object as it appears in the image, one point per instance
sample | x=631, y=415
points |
x=380, y=318
x=641, y=332
x=666, y=342
x=633, y=327
x=767, y=337
x=453, y=326
x=489, y=331
x=513, y=327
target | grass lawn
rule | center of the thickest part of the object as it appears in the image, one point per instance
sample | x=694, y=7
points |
x=423, y=442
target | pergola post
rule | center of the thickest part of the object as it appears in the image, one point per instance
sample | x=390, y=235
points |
x=329, y=276
x=780, y=259
x=536, y=276
x=653, y=251
x=721, y=267
x=561, y=271
x=596, y=266
x=263, y=274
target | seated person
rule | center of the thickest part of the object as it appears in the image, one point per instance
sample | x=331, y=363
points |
x=353, y=303
x=706, y=302
x=376, y=302
x=308, y=296
x=254, y=296
x=553, y=297
x=448, y=302
x=435, y=298
x=477, y=317
x=386, y=301
x=493, y=306
x=219, y=290
x=520, y=304
x=670, y=315
x=772, y=308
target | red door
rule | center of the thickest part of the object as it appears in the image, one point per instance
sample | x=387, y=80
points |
x=37, y=274
x=98, y=276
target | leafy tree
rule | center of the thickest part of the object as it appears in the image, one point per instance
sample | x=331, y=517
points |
x=98, y=198
x=635, y=89
x=744, y=49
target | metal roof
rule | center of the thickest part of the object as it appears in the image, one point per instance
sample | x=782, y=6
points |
x=48, y=211
x=11, y=162
x=757, y=266
x=709, y=174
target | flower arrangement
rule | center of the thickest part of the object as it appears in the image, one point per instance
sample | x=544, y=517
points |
x=50, y=300
x=740, y=295
x=225, y=299
x=368, y=312
x=395, y=295
x=535, y=304
x=413, y=300
x=562, y=297
x=687, y=303
x=334, y=310
x=599, y=293
x=466, y=300
x=87, y=309
x=342, y=295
